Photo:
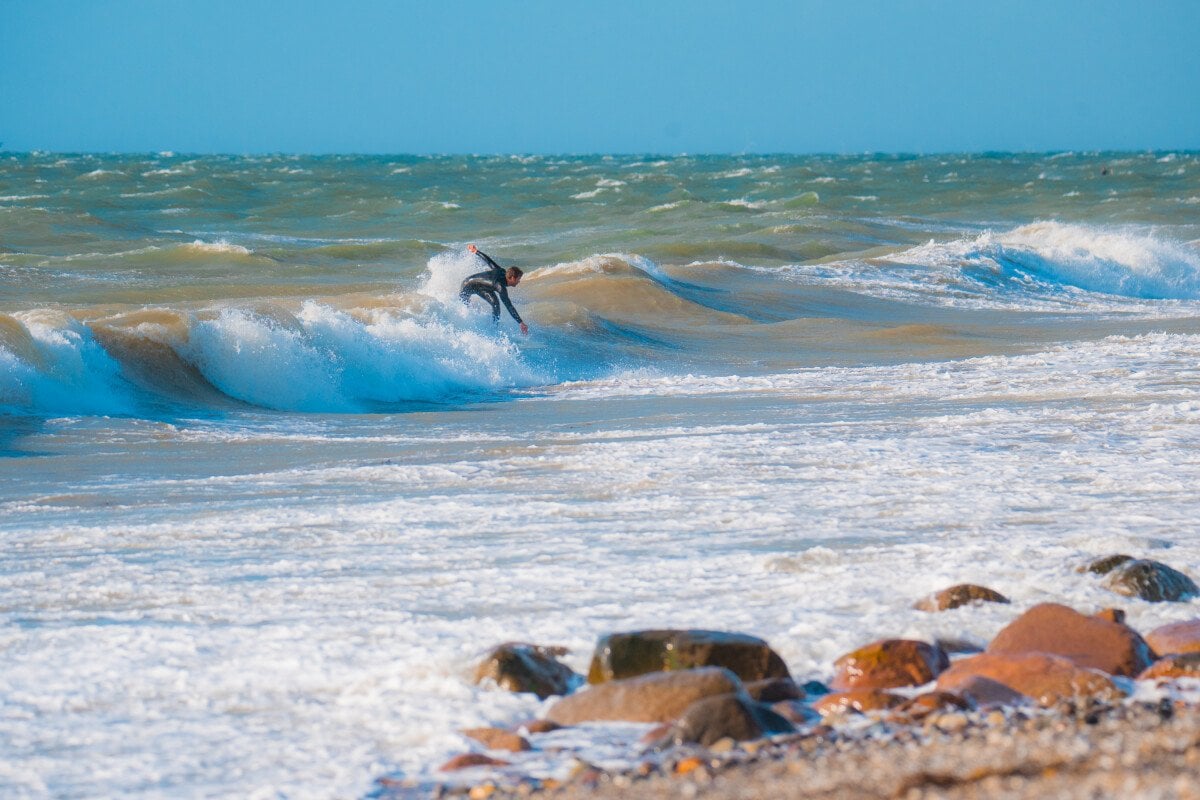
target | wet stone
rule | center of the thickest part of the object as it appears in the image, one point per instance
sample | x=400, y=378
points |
x=732, y=716
x=1177, y=637
x=958, y=596
x=1105, y=564
x=1152, y=581
x=656, y=697
x=1087, y=641
x=627, y=655
x=857, y=700
x=521, y=667
x=1176, y=665
x=889, y=663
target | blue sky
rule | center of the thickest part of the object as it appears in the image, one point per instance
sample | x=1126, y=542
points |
x=587, y=77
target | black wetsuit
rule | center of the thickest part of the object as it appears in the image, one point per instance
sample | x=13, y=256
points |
x=491, y=285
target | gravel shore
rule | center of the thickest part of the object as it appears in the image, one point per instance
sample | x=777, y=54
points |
x=1147, y=750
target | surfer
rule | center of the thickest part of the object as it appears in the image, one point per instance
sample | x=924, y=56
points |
x=492, y=285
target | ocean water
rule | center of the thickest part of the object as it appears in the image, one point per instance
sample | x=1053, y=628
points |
x=268, y=490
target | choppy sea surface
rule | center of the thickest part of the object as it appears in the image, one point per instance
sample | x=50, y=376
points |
x=267, y=489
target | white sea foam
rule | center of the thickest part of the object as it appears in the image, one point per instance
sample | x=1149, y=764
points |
x=324, y=360
x=219, y=246
x=305, y=620
x=1043, y=266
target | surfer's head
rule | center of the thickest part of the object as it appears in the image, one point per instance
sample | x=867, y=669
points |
x=513, y=276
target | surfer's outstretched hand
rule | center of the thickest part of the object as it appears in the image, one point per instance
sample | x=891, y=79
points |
x=524, y=329
x=472, y=248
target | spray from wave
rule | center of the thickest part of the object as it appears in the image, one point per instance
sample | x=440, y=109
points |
x=1043, y=266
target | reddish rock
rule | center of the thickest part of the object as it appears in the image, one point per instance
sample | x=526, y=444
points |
x=960, y=595
x=1178, y=637
x=1111, y=615
x=522, y=667
x=774, y=690
x=923, y=705
x=627, y=655
x=1150, y=580
x=857, y=700
x=889, y=663
x=538, y=726
x=498, y=739
x=1176, y=665
x=985, y=692
x=468, y=760
x=657, y=697
x=1045, y=678
x=1087, y=641
x=733, y=716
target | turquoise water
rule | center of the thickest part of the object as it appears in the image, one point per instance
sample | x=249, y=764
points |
x=267, y=488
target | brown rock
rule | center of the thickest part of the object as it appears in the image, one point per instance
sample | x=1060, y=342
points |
x=1105, y=564
x=1176, y=665
x=1045, y=678
x=857, y=700
x=1152, y=581
x=538, y=726
x=467, y=760
x=657, y=697
x=521, y=667
x=1178, y=637
x=959, y=595
x=985, y=692
x=733, y=716
x=1087, y=641
x=498, y=739
x=923, y=705
x=1111, y=615
x=889, y=663
x=774, y=690
x=627, y=655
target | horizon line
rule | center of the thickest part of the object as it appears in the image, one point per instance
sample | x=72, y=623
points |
x=167, y=153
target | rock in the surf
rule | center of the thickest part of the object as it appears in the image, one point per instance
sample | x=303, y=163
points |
x=1046, y=679
x=857, y=700
x=732, y=716
x=1177, y=637
x=1176, y=665
x=655, y=697
x=957, y=596
x=1105, y=564
x=889, y=663
x=626, y=655
x=1150, y=580
x=521, y=667
x=1087, y=641
x=468, y=760
x=498, y=739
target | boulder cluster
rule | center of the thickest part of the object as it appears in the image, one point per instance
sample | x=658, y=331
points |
x=717, y=689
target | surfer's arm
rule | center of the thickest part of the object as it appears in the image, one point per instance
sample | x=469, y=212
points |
x=484, y=256
x=508, y=304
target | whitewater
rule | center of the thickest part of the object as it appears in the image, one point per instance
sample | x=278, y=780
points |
x=268, y=490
